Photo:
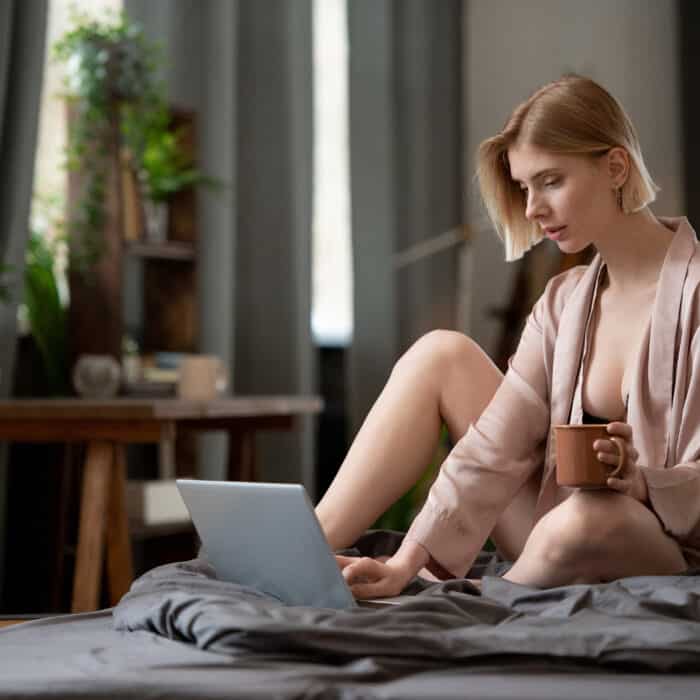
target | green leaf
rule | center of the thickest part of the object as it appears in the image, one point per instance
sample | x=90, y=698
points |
x=47, y=316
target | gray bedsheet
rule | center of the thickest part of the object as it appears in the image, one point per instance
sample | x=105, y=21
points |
x=644, y=622
x=181, y=633
x=82, y=657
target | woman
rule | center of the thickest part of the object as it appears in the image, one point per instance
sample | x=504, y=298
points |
x=612, y=342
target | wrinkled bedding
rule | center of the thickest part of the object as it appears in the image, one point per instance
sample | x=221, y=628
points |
x=182, y=634
x=646, y=623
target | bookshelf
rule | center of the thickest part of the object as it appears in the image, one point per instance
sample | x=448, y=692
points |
x=168, y=271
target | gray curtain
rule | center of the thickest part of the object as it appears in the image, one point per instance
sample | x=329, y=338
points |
x=244, y=66
x=406, y=154
x=22, y=39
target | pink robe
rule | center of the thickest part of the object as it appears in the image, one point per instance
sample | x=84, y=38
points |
x=512, y=439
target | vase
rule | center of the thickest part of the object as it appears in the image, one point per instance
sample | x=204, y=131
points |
x=96, y=376
x=156, y=216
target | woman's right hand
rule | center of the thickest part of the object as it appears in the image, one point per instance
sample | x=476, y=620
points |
x=372, y=578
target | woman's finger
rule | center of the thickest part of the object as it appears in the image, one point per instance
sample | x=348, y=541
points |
x=375, y=589
x=618, y=484
x=607, y=452
x=620, y=429
x=604, y=446
x=608, y=457
x=342, y=561
x=363, y=569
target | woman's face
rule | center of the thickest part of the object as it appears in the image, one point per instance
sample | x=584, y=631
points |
x=572, y=198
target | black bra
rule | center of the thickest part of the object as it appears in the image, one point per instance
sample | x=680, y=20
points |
x=590, y=419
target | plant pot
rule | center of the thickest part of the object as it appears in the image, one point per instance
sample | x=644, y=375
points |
x=156, y=220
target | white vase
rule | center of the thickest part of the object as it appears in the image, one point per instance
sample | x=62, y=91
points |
x=156, y=215
x=96, y=376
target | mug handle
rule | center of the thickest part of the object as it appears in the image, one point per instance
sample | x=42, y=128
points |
x=621, y=457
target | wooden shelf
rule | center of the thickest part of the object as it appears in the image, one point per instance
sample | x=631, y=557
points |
x=172, y=250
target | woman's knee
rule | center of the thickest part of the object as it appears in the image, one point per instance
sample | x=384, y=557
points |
x=438, y=351
x=452, y=356
x=580, y=530
x=458, y=373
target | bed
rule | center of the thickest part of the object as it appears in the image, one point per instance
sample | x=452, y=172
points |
x=182, y=633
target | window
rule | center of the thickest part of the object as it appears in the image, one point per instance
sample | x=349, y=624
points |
x=50, y=178
x=49, y=175
x=331, y=315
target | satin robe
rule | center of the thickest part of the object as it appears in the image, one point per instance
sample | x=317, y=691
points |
x=512, y=440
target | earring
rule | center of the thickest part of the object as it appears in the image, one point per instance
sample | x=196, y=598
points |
x=619, y=198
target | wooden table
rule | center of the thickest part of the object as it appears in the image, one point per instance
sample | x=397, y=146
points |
x=107, y=426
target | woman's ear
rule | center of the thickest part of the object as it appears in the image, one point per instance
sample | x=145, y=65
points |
x=618, y=166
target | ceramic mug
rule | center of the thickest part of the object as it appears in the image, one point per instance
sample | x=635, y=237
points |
x=577, y=462
x=202, y=377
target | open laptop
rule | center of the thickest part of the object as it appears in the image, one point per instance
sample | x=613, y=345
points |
x=267, y=536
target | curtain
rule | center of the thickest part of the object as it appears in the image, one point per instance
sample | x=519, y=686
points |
x=22, y=39
x=244, y=67
x=406, y=151
x=689, y=58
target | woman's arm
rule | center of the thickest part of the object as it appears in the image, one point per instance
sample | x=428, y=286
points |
x=477, y=480
x=484, y=470
x=372, y=578
x=674, y=492
x=499, y=452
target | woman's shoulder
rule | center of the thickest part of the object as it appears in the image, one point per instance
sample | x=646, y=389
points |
x=557, y=292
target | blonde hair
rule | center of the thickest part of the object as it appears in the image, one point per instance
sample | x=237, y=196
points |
x=572, y=115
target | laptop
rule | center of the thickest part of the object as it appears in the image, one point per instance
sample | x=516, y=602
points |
x=267, y=536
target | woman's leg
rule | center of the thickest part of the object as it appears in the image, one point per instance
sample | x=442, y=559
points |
x=444, y=376
x=516, y=522
x=596, y=536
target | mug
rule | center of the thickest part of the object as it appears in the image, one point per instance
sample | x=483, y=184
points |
x=577, y=462
x=201, y=377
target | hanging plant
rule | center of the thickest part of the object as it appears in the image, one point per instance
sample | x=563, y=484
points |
x=111, y=78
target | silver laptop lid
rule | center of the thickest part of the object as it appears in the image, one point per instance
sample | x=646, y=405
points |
x=266, y=536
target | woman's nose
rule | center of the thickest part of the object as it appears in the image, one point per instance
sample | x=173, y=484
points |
x=534, y=206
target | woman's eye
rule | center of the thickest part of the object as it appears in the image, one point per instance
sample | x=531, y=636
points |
x=552, y=183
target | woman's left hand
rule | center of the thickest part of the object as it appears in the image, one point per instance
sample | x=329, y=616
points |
x=629, y=480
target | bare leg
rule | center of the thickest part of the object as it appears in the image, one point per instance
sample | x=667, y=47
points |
x=444, y=376
x=516, y=522
x=596, y=536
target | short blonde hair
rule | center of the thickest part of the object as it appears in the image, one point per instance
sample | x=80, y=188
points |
x=575, y=116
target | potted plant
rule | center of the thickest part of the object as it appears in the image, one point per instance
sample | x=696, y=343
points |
x=112, y=80
x=42, y=312
x=165, y=169
x=46, y=313
x=112, y=86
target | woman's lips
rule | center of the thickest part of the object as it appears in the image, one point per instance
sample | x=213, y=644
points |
x=554, y=234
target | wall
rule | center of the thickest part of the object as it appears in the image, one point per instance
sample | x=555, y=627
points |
x=511, y=48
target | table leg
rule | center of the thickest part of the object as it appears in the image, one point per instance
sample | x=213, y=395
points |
x=97, y=475
x=65, y=481
x=120, y=571
x=241, y=455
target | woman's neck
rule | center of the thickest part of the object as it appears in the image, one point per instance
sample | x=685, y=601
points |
x=634, y=252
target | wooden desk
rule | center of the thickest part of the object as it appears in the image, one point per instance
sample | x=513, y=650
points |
x=106, y=426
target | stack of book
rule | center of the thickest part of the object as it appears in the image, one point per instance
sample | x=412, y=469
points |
x=153, y=375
